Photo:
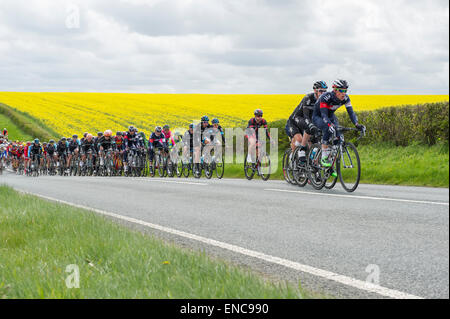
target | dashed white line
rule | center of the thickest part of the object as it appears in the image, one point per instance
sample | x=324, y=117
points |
x=352, y=282
x=359, y=197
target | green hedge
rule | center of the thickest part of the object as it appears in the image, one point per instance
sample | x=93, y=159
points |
x=425, y=124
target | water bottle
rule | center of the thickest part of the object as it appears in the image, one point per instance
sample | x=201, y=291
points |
x=313, y=153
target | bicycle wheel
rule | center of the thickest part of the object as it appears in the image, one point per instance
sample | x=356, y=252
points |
x=160, y=165
x=220, y=168
x=179, y=167
x=290, y=168
x=186, y=170
x=349, y=167
x=208, y=171
x=299, y=170
x=248, y=169
x=285, y=165
x=264, y=167
x=329, y=184
x=314, y=169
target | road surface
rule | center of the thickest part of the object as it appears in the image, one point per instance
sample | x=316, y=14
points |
x=381, y=241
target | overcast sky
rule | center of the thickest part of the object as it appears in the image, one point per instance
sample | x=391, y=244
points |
x=212, y=46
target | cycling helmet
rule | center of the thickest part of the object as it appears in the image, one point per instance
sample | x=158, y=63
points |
x=205, y=118
x=99, y=134
x=74, y=136
x=130, y=128
x=36, y=141
x=84, y=135
x=320, y=85
x=166, y=127
x=191, y=126
x=107, y=133
x=63, y=139
x=118, y=133
x=215, y=121
x=45, y=143
x=258, y=112
x=340, y=84
x=51, y=141
x=158, y=129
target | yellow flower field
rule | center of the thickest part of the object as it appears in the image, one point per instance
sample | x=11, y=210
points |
x=69, y=113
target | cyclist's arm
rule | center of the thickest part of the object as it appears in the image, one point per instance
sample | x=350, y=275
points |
x=324, y=109
x=351, y=113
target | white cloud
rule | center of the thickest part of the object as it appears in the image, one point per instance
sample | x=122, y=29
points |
x=205, y=46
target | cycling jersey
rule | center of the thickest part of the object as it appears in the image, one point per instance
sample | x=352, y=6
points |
x=253, y=124
x=302, y=116
x=157, y=141
x=132, y=140
x=120, y=143
x=88, y=145
x=212, y=132
x=105, y=143
x=73, y=145
x=328, y=103
x=51, y=149
x=34, y=149
x=62, y=147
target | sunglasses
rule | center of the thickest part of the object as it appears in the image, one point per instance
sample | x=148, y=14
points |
x=322, y=90
x=342, y=90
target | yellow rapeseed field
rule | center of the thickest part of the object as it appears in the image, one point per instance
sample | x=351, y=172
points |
x=69, y=113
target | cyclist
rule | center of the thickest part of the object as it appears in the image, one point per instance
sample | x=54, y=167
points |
x=188, y=142
x=254, y=124
x=87, y=145
x=132, y=142
x=35, y=150
x=157, y=140
x=105, y=143
x=326, y=120
x=214, y=131
x=74, y=148
x=25, y=156
x=300, y=126
x=61, y=149
x=120, y=146
x=5, y=133
x=199, y=139
x=51, y=152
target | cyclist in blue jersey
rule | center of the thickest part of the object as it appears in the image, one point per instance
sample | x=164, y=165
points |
x=325, y=119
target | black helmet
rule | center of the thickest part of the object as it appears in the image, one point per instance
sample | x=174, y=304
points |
x=99, y=133
x=340, y=84
x=215, y=121
x=74, y=136
x=158, y=129
x=320, y=85
x=85, y=134
x=118, y=133
x=166, y=127
x=131, y=128
x=51, y=141
x=258, y=112
x=205, y=118
x=63, y=139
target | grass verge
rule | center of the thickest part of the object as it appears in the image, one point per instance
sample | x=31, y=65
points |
x=28, y=124
x=14, y=132
x=413, y=165
x=39, y=239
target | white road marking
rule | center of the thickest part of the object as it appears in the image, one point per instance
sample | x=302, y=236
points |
x=352, y=282
x=359, y=197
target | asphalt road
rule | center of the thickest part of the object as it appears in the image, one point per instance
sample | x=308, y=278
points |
x=396, y=237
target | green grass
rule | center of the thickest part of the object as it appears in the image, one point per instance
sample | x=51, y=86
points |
x=414, y=165
x=39, y=239
x=28, y=124
x=14, y=132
